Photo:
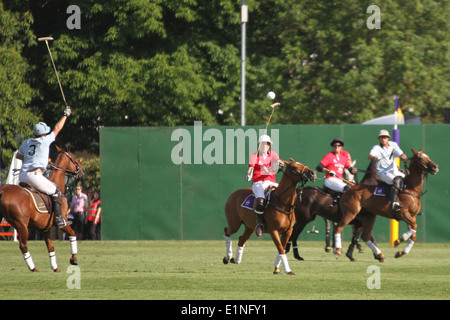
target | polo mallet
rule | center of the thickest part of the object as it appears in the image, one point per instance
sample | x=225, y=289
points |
x=46, y=39
x=250, y=175
x=313, y=230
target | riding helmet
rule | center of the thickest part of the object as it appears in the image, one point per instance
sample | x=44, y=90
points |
x=40, y=129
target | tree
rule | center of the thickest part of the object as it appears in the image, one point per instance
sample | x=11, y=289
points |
x=16, y=119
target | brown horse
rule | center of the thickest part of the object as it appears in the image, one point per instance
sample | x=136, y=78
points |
x=362, y=196
x=17, y=207
x=278, y=214
x=313, y=201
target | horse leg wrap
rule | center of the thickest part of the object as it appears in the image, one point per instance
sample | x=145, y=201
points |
x=53, y=263
x=73, y=245
x=228, y=247
x=374, y=248
x=408, y=246
x=408, y=234
x=337, y=241
x=239, y=252
x=277, y=261
x=283, y=258
x=29, y=260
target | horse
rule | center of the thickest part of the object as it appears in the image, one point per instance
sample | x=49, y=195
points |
x=278, y=214
x=18, y=208
x=362, y=197
x=313, y=201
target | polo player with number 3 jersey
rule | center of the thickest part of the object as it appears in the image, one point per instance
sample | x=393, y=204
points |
x=34, y=153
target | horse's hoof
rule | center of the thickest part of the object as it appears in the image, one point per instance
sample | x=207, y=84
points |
x=337, y=252
x=232, y=260
x=291, y=273
x=34, y=270
x=74, y=262
x=327, y=249
x=299, y=258
x=380, y=257
x=56, y=270
x=225, y=260
x=399, y=254
x=276, y=271
x=397, y=242
x=350, y=257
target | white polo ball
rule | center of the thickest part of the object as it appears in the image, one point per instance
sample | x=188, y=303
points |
x=271, y=95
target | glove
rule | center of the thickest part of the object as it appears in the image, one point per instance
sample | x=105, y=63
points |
x=67, y=111
x=248, y=177
x=331, y=173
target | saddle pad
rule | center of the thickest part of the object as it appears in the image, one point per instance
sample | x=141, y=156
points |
x=380, y=191
x=248, y=202
x=38, y=202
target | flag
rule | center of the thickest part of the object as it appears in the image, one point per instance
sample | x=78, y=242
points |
x=398, y=110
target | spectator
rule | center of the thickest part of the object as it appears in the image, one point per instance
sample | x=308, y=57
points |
x=93, y=218
x=77, y=209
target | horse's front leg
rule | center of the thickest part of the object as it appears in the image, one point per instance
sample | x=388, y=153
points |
x=51, y=251
x=411, y=235
x=73, y=244
x=281, y=257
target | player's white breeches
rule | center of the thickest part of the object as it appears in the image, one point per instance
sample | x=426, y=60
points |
x=335, y=184
x=388, y=176
x=38, y=181
x=259, y=187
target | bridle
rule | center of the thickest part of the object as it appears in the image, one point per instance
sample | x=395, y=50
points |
x=304, y=177
x=77, y=173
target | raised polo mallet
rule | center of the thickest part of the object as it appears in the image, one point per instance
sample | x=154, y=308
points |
x=271, y=96
x=46, y=39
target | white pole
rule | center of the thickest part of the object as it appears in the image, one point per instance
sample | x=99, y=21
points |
x=244, y=19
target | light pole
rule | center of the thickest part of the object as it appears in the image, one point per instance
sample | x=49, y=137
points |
x=244, y=19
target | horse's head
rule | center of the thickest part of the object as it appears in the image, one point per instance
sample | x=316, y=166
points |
x=68, y=163
x=423, y=162
x=299, y=172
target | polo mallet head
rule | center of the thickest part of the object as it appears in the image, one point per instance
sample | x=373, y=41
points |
x=313, y=230
x=46, y=39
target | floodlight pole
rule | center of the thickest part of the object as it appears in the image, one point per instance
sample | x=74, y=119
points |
x=244, y=19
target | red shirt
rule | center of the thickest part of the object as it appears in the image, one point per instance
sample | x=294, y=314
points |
x=332, y=162
x=264, y=167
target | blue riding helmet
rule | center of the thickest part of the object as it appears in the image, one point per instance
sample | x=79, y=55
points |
x=40, y=129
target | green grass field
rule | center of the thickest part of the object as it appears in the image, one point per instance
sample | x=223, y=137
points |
x=191, y=270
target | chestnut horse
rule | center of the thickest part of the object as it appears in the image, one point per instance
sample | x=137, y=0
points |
x=278, y=214
x=361, y=197
x=17, y=207
x=314, y=201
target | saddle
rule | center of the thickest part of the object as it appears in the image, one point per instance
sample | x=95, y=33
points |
x=249, y=202
x=382, y=189
x=334, y=194
x=42, y=201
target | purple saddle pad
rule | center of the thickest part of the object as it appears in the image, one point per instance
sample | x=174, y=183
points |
x=248, y=202
x=380, y=190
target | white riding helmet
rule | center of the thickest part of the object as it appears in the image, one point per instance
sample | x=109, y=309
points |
x=384, y=133
x=264, y=138
x=40, y=129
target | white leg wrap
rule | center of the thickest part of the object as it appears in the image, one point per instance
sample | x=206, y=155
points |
x=73, y=245
x=229, y=250
x=284, y=259
x=277, y=261
x=374, y=248
x=408, y=246
x=29, y=260
x=239, y=252
x=53, y=263
x=408, y=234
x=337, y=241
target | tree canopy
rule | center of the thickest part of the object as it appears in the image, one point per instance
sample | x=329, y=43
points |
x=170, y=63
